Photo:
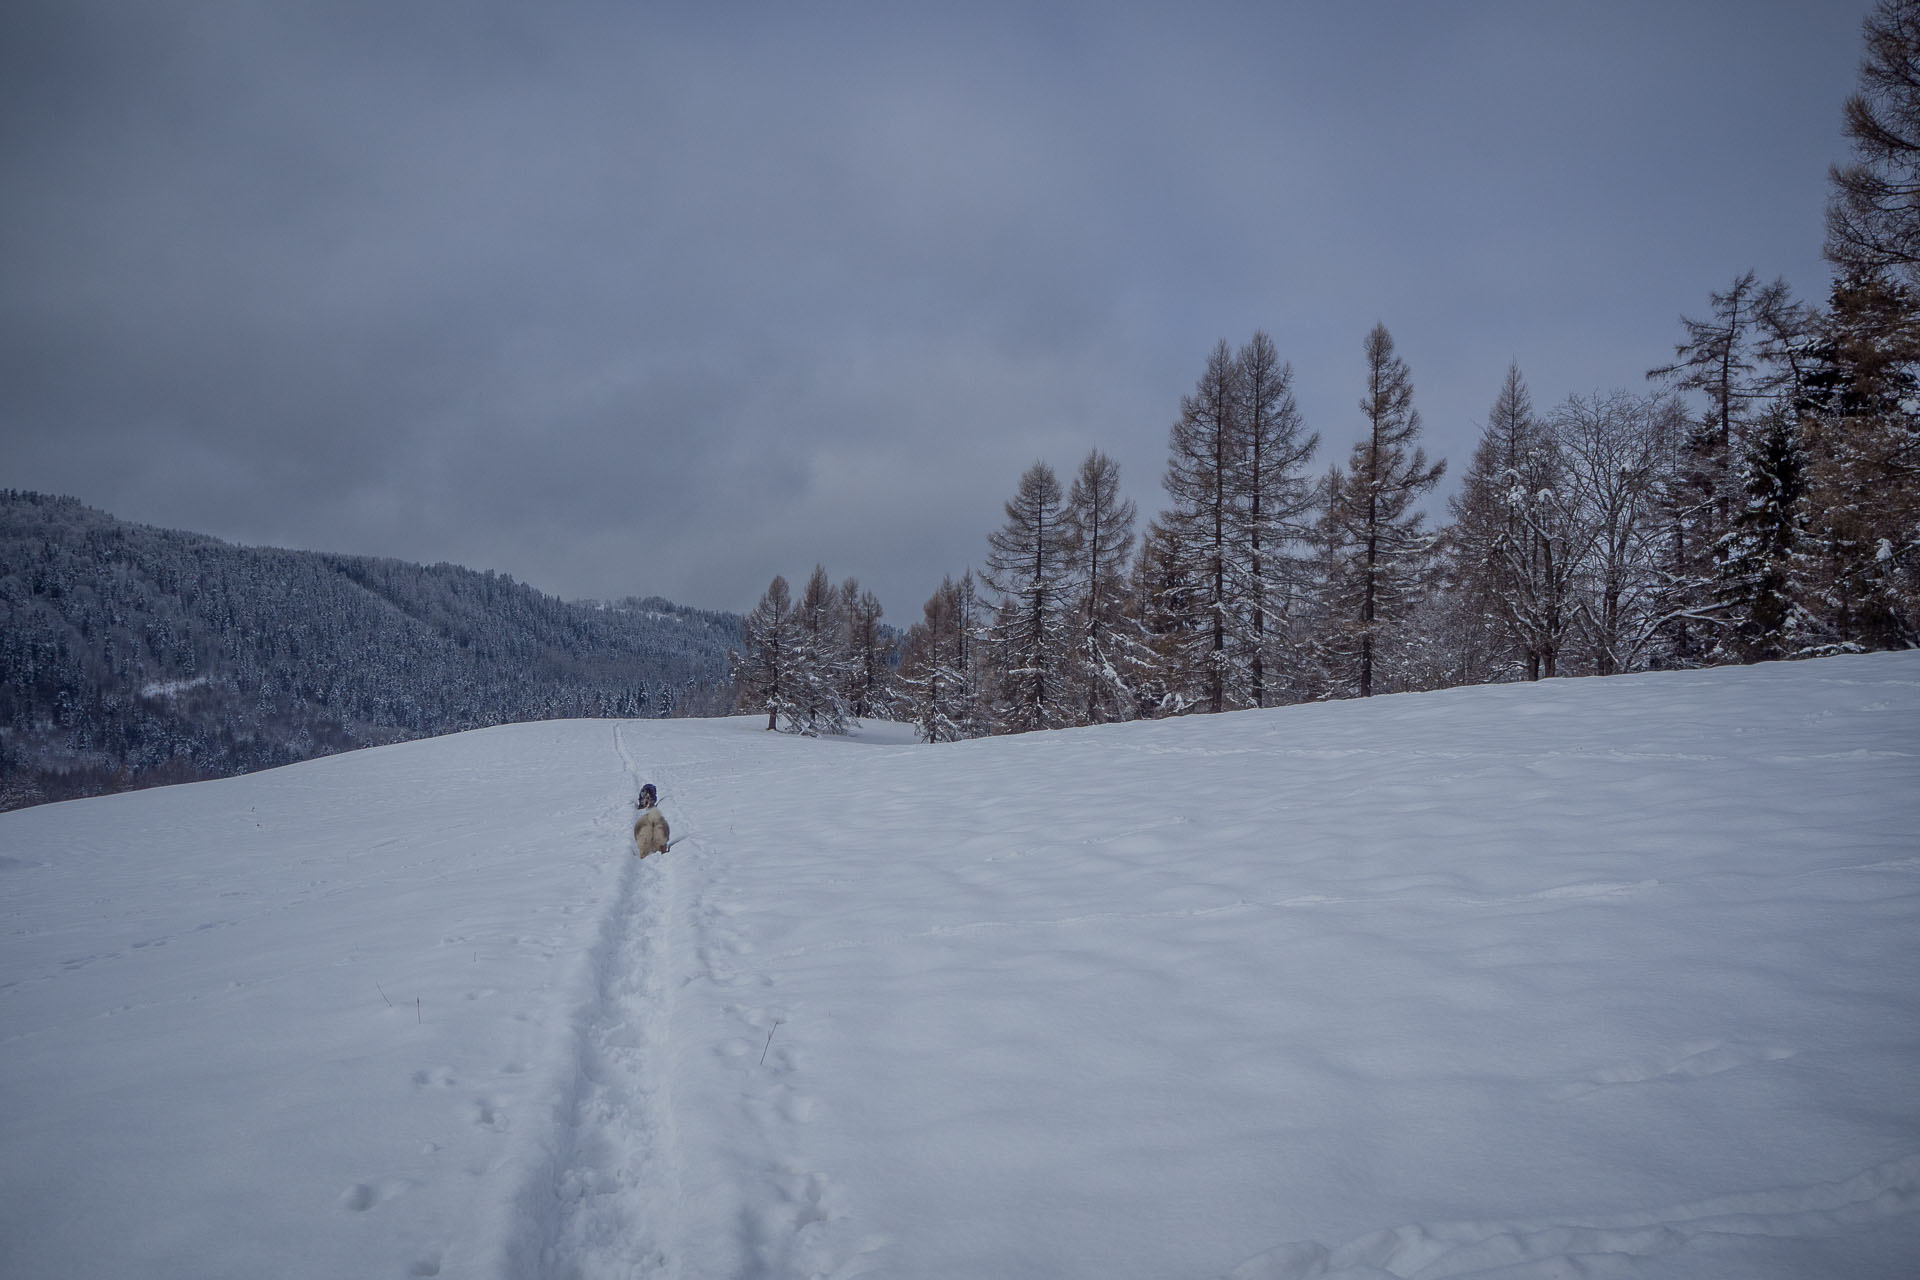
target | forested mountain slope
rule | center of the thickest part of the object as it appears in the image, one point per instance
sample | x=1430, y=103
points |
x=131, y=655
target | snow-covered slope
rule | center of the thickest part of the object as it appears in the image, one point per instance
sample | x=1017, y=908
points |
x=1607, y=978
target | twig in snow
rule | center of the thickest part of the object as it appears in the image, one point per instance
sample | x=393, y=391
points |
x=769, y=1044
x=383, y=994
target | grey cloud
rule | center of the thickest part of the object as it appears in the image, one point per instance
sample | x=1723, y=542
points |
x=650, y=298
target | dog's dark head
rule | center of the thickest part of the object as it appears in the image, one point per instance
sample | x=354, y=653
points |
x=648, y=797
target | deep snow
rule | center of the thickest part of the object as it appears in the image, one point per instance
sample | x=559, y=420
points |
x=1592, y=977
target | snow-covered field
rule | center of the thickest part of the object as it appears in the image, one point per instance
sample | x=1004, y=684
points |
x=1595, y=978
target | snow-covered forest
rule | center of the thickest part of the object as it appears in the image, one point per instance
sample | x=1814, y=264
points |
x=1614, y=532
x=131, y=655
x=1756, y=497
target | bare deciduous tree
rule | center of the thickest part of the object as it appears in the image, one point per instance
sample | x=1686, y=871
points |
x=1621, y=454
x=1374, y=534
x=1027, y=565
x=1106, y=657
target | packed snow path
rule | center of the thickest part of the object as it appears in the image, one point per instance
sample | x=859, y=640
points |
x=1603, y=978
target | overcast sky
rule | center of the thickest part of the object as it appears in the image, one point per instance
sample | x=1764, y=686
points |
x=630, y=298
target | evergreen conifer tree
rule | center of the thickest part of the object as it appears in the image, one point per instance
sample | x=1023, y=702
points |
x=1758, y=575
x=1861, y=436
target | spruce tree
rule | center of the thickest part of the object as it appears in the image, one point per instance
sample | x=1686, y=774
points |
x=1759, y=585
x=1861, y=437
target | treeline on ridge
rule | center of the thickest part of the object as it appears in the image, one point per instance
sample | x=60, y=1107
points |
x=1760, y=500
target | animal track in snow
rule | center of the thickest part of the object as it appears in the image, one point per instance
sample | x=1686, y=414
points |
x=805, y=1230
x=487, y=1116
x=797, y=1108
x=807, y=1193
x=362, y=1196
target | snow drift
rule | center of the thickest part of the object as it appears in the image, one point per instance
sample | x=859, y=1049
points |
x=1599, y=977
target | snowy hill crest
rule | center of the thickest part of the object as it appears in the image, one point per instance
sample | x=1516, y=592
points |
x=1607, y=978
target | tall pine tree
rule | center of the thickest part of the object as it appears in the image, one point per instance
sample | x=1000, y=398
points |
x=1375, y=540
x=866, y=653
x=819, y=638
x=939, y=671
x=1873, y=217
x=1514, y=531
x=1107, y=656
x=1758, y=567
x=1273, y=498
x=1166, y=604
x=1202, y=479
x=1724, y=358
x=1027, y=564
x=767, y=676
x=1861, y=437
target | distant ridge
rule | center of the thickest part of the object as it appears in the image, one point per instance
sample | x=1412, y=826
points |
x=132, y=656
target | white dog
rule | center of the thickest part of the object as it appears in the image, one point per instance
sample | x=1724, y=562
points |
x=650, y=828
